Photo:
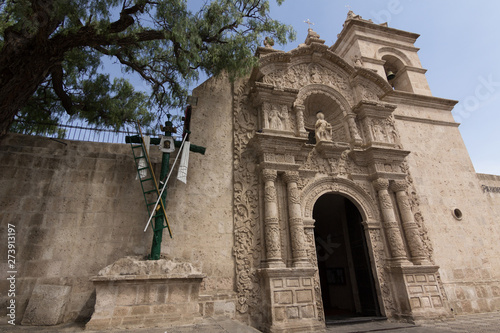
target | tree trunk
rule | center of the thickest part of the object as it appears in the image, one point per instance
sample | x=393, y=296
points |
x=21, y=73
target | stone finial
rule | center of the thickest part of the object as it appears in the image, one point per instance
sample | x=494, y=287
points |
x=313, y=37
x=352, y=16
x=268, y=42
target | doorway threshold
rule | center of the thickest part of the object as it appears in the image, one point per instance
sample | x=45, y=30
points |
x=337, y=321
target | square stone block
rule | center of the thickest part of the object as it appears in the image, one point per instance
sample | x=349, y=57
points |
x=278, y=283
x=46, y=305
x=304, y=296
x=426, y=302
x=437, y=302
x=415, y=289
x=421, y=278
x=307, y=311
x=292, y=282
x=292, y=312
x=283, y=297
x=178, y=293
x=279, y=313
x=415, y=303
x=306, y=282
x=432, y=289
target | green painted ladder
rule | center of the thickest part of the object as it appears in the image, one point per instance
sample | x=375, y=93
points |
x=148, y=182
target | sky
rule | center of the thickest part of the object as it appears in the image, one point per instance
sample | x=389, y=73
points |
x=459, y=46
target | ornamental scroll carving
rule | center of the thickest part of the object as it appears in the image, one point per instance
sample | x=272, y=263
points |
x=248, y=243
x=302, y=75
x=414, y=202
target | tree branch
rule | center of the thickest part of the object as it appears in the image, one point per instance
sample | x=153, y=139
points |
x=57, y=84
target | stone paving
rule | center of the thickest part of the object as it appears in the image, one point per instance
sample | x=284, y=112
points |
x=473, y=323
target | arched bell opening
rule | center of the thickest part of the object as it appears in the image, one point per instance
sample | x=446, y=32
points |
x=396, y=74
x=347, y=281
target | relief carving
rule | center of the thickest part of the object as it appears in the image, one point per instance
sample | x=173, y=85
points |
x=273, y=242
x=378, y=130
x=414, y=203
x=314, y=162
x=367, y=93
x=299, y=76
x=247, y=246
x=270, y=193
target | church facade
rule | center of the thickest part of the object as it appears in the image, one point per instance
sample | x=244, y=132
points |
x=334, y=185
x=353, y=193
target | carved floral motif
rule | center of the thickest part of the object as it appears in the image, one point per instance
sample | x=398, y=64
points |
x=247, y=246
x=417, y=214
x=301, y=75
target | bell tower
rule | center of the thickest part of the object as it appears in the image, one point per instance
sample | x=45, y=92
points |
x=389, y=52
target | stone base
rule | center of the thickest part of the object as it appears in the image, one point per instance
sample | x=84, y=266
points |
x=419, y=287
x=218, y=303
x=290, y=300
x=157, y=293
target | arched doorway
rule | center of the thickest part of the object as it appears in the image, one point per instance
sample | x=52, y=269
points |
x=347, y=284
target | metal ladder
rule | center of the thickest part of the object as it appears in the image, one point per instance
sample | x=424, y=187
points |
x=148, y=182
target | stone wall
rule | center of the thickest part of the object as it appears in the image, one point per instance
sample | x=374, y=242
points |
x=461, y=219
x=490, y=185
x=77, y=208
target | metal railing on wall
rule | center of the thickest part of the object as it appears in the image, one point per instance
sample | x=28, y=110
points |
x=75, y=132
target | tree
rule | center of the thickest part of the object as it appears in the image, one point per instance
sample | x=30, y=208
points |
x=51, y=54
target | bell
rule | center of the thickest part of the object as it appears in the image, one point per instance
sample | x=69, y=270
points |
x=390, y=75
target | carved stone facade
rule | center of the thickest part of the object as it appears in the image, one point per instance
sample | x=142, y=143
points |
x=252, y=217
x=291, y=97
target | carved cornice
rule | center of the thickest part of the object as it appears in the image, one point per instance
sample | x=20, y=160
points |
x=427, y=121
x=374, y=109
x=406, y=98
x=264, y=92
x=372, y=155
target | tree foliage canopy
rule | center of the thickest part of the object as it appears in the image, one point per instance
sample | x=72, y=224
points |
x=51, y=54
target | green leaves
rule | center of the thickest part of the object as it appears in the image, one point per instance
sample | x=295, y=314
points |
x=167, y=43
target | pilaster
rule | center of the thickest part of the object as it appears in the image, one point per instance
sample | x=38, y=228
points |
x=299, y=251
x=271, y=221
x=410, y=228
x=391, y=227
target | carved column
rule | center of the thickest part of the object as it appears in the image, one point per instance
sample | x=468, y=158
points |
x=353, y=128
x=391, y=227
x=299, y=252
x=299, y=114
x=410, y=228
x=271, y=228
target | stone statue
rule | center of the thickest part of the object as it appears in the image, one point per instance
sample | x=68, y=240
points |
x=323, y=129
x=275, y=119
x=357, y=61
